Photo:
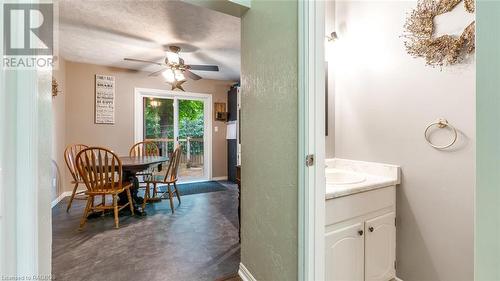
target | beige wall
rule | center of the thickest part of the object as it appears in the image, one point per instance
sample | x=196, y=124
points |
x=384, y=99
x=269, y=140
x=59, y=131
x=79, y=109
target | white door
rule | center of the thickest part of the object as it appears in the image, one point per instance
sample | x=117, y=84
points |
x=380, y=248
x=344, y=253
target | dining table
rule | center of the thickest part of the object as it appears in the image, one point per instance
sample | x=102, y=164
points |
x=131, y=165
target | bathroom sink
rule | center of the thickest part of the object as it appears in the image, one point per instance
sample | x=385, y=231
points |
x=343, y=177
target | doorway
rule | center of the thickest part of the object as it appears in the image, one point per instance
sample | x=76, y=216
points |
x=174, y=119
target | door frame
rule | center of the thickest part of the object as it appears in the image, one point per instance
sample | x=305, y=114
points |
x=140, y=93
x=25, y=148
x=311, y=140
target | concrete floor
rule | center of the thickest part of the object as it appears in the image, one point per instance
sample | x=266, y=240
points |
x=198, y=242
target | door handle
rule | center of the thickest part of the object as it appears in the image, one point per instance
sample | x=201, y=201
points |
x=360, y=232
x=371, y=228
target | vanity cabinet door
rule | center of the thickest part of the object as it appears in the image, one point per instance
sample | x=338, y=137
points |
x=344, y=253
x=380, y=248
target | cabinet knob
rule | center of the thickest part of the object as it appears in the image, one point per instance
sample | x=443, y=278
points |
x=360, y=232
x=370, y=228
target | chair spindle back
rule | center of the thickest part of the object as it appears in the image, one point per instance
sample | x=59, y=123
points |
x=173, y=165
x=144, y=148
x=98, y=168
x=70, y=158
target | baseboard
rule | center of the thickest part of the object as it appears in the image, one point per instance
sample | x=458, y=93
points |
x=62, y=196
x=219, y=178
x=245, y=274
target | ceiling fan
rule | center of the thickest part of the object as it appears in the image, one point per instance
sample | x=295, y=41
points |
x=175, y=70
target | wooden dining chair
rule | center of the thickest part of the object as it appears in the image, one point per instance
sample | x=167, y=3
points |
x=170, y=178
x=69, y=157
x=101, y=171
x=145, y=148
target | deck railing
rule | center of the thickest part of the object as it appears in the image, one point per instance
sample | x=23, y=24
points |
x=191, y=150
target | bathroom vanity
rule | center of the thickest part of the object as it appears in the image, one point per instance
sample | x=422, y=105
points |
x=360, y=219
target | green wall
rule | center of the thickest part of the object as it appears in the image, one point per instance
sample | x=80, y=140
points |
x=269, y=58
x=487, y=235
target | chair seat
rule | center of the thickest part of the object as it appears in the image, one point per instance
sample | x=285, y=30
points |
x=109, y=190
x=78, y=181
x=145, y=176
x=159, y=179
x=156, y=178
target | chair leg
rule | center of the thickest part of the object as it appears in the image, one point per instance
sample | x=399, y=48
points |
x=86, y=212
x=115, y=207
x=146, y=197
x=177, y=193
x=155, y=190
x=103, y=203
x=130, y=203
x=72, y=197
x=170, y=197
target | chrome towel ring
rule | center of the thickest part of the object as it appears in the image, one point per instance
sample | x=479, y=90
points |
x=441, y=123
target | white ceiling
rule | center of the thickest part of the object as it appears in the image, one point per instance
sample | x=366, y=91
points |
x=105, y=32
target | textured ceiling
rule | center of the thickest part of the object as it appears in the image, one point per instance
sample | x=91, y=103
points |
x=104, y=32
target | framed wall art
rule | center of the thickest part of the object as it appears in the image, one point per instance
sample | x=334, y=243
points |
x=104, y=99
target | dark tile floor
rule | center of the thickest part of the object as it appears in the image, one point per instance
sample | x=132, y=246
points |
x=198, y=242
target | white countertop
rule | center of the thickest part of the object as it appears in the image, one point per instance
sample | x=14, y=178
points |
x=371, y=183
x=376, y=176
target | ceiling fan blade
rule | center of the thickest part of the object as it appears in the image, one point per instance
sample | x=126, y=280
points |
x=156, y=73
x=143, y=61
x=203, y=67
x=191, y=75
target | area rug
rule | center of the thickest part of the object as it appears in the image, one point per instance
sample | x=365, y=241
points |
x=197, y=187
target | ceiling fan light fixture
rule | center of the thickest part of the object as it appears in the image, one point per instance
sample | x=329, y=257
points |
x=179, y=76
x=169, y=75
x=173, y=58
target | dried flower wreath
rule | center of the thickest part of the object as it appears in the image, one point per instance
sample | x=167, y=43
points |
x=442, y=50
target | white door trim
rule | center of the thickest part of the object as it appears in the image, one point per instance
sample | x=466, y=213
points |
x=139, y=93
x=311, y=140
x=25, y=215
x=245, y=274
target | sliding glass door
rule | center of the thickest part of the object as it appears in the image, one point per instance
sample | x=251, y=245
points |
x=191, y=138
x=159, y=126
x=173, y=121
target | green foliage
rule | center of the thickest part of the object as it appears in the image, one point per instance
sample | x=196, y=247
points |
x=159, y=121
x=190, y=109
x=191, y=124
x=191, y=128
x=152, y=122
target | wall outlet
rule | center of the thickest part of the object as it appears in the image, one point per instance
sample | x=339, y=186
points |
x=216, y=129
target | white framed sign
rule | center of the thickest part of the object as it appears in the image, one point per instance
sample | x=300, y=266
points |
x=104, y=99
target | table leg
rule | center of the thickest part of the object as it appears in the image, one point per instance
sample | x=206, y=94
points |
x=131, y=177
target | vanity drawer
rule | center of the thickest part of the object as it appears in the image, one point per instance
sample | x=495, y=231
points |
x=359, y=204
